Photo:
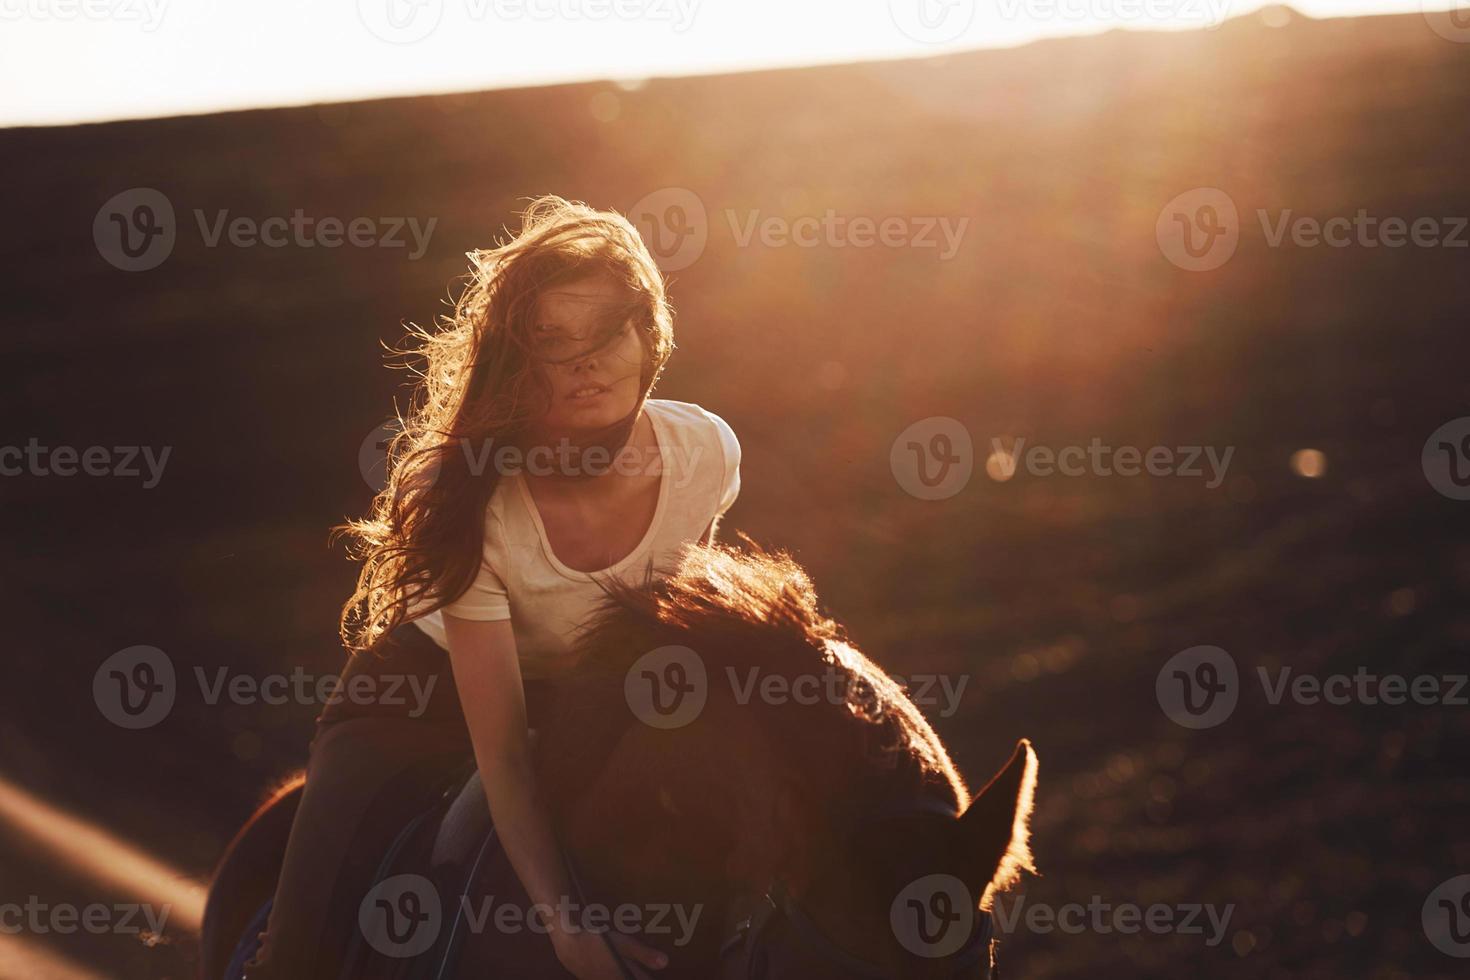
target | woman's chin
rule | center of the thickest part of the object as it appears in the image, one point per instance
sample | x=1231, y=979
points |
x=596, y=413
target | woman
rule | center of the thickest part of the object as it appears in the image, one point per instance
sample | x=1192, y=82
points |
x=532, y=468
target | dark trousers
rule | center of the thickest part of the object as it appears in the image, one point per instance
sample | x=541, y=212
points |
x=380, y=753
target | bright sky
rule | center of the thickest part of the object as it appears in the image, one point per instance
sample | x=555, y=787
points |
x=65, y=61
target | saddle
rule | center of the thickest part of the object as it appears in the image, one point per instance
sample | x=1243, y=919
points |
x=446, y=895
x=435, y=908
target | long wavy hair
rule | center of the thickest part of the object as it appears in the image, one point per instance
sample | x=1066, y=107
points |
x=481, y=382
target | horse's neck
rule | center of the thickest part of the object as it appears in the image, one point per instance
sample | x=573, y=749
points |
x=729, y=803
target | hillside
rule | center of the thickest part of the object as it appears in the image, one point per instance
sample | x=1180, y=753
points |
x=1057, y=319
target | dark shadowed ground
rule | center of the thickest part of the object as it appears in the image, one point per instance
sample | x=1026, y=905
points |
x=1057, y=320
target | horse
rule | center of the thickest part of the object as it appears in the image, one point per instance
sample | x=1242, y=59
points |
x=724, y=751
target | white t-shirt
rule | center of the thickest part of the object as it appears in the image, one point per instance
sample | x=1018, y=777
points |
x=520, y=578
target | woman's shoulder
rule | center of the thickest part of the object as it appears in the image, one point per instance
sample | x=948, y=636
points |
x=705, y=455
x=690, y=421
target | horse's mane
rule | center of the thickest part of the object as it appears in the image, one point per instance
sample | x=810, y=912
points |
x=749, y=608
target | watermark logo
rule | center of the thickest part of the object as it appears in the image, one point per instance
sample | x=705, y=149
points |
x=400, y=21
x=135, y=229
x=1209, y=463
x=942, y=692
x=1199, y=230
x=677, y=465
x=832, y=229
x=932, y=21
x=933, y=916
x=1364, y=687
x=39, y=917
x=667, y=688
x=570, y=916
x=933, y=458
x=302, y=230
x=401, y=916
x=135, y=688
x=678, y=14
x=1363, y=230
x=410, y=21
x=1452, y=24
x=372, y=455
x=1446, y=459
x=1198, y=688
x=34, y=459
x=148, y=14
x=372, y=458
x=1206, y=13
x=1105, y=917
x=674, y=225
x=1446, y=917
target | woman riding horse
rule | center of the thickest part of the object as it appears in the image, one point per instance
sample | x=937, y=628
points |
x=821, y=837
x=533, y=472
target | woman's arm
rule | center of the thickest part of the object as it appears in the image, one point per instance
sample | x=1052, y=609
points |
x=487, y=672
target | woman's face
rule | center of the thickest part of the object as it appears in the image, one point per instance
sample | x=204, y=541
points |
x=591, y=386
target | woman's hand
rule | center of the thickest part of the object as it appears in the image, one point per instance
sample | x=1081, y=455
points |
x=587, y=957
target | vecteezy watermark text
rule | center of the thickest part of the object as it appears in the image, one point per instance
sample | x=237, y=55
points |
x=410, y=21
x=1100, y=459
x=560, y=459
x=137, y=688
x=148, y=14
x=834, y=230
x=1200, y=687
x=1200, y=230
x=675, y=225
x=934, y=916
x=1363, y=230
x=63, y=918
x=832, y=686
x=669, y=687
x=136, y=230
x=1208, y=13
x=305, y=231
x=1104, y=917
x=403, y=915
x=34, y=459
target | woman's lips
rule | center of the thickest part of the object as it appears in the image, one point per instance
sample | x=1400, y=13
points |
x=585, y=392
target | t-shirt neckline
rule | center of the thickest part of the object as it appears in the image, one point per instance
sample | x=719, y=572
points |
x=648, y=536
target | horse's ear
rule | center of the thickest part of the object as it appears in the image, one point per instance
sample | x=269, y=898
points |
x=995, y=828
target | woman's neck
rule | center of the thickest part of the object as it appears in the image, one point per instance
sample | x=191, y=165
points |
x=593, y=460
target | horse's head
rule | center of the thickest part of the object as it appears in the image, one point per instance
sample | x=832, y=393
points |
x=906, y=896
x=832, y=810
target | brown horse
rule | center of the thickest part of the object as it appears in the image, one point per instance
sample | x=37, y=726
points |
x=727, y=753
x=245, y=878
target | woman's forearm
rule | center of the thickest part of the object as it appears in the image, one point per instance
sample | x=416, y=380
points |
x=523, y=824
x=487, y=673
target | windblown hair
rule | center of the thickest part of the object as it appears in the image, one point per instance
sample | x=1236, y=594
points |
x=480, y=383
